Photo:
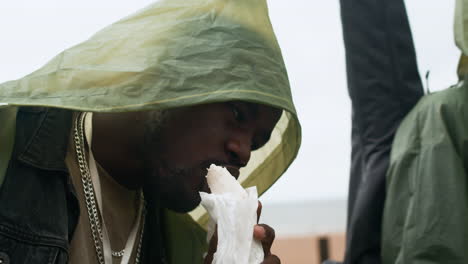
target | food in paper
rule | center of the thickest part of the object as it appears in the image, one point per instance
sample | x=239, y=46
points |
x=221, y=181
x=233, y=210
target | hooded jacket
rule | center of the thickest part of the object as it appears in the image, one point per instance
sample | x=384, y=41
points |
x=426, y=208
x=170, y=54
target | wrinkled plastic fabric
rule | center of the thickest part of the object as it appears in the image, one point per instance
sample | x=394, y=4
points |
x=383, y=84
x=170, y=54
x=234, y=219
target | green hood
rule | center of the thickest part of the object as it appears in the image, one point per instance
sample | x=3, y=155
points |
x=461, y=35
x=173, y=53
x=461, y=25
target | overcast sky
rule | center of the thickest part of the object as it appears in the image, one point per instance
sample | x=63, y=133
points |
x=309, y=33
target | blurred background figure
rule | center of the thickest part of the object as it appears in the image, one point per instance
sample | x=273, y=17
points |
x=384, y=85
x=426, y=207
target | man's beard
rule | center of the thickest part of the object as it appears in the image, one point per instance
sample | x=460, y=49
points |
x=176, y=188
x=171, y=186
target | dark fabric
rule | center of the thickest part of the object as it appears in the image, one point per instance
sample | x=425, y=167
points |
x=383, y=84
x=38, y=206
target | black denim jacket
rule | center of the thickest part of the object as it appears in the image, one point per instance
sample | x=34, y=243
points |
x=38, y=205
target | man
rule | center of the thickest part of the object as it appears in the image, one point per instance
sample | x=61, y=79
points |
x=158, y=97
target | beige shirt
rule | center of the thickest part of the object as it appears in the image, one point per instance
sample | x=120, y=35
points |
x=120, y=207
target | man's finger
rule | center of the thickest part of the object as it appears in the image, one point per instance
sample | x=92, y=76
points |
x=212, y=247
x=272, y=259
x=259, y=211
x=265, y=234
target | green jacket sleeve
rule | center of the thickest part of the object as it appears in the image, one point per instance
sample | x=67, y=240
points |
x=185, y=240
x=426, y=210
x=7, y=137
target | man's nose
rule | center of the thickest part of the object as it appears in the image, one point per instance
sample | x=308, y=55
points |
x=239, y=147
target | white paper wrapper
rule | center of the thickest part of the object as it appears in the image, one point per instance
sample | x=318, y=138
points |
x=235, y=214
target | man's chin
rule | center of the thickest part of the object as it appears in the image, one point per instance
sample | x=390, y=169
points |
x=182, y=206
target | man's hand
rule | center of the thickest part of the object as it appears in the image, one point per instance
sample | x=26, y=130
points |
x=266, y=235
x=263, y=233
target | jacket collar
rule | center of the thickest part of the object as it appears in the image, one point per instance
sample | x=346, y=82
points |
x=43, y=142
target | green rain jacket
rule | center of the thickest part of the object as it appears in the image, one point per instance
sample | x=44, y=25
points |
x=426, y=210
x=170, y=54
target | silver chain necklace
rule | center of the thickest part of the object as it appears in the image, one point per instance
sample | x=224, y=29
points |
x=90, y=199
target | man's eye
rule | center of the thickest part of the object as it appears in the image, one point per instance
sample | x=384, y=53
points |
x=237, y=113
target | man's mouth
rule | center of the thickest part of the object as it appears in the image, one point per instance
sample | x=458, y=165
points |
x=205, y=187
x=233, y=170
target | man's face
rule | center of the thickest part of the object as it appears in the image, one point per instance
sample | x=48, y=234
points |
x=179, y=152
